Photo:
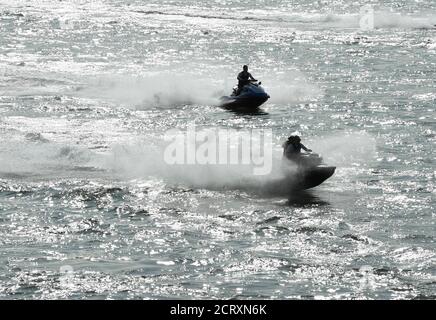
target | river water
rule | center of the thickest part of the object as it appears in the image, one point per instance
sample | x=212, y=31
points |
x=89, y=209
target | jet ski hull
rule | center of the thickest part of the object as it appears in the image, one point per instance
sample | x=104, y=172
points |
x=251, y=97
x=247, y=103
x=314, y=177
x=306, y=179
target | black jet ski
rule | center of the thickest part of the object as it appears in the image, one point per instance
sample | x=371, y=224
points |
x=312, y=172
x=251, y=97
x=301, y=172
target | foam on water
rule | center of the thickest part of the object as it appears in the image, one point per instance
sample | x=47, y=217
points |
x=164, y=89
x=142, y=161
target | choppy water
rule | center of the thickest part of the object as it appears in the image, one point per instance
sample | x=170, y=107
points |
x=89, y=88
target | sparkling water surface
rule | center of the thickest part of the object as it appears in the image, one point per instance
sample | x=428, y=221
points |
x=89, y=209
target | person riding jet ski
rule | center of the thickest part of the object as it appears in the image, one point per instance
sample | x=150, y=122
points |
x=244, y=78
x=310, y=170
x=292, y=148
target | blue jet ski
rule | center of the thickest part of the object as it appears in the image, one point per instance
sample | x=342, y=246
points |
x=251, y=97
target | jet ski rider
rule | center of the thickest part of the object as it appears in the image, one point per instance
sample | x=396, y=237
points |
x=292, y=148
x=244, y=78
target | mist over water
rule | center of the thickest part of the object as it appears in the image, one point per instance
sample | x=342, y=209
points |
x=171, y=88
x=90, y=89
x=165, y=89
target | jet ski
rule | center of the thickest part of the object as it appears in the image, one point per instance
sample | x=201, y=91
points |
x=251, y=97
x=301, y=172
x=312, y=171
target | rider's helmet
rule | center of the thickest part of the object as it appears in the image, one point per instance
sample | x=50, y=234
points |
x=294, y=139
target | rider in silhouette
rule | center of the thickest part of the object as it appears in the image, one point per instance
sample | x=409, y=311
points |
x=292, y=147
x=244, y=78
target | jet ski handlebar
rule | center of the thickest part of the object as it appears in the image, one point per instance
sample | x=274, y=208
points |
x=255, y=82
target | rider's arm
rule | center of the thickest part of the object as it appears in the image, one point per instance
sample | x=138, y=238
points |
x=250, y=76
x=304, y=148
